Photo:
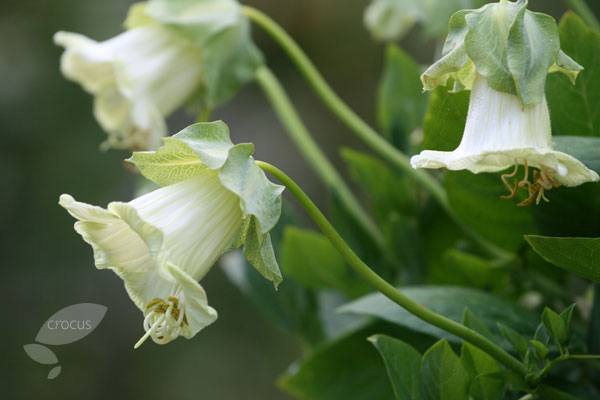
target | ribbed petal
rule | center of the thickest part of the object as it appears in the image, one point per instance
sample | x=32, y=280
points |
x=199, y=218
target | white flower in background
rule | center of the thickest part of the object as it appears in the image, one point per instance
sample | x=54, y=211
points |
x=214, y=198
x=138, y=78
x=500, y=132
x=187, y=52
x=503, y=52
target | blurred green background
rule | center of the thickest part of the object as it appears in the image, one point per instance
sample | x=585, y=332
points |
x=50, y=146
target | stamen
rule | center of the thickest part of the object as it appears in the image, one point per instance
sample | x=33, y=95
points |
x=164, y=320
x=542, y=180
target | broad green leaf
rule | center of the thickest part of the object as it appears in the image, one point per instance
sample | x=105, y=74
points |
x=479, y=364
x=476, y=200
x=470, y=320
x=401, y=104
x=533, y=46
x=347, y=368
x=445, y=119
x=585, y=149
x=310, y=258
x=449, y=301
x=574, y=109
x=443, y=376
x=514, y=338
x=576, y=255
x=403, y=364
x=486, y=43
x=556, y=325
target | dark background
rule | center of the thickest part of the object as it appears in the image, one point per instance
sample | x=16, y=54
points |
x=50, y=146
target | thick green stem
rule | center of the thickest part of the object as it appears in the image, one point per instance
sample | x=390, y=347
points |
x=584, y=11
x=384, y=287
x=315, y=157
x=361, y=128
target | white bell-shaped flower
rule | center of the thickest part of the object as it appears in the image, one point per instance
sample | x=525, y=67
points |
x=138, y=78
x=214, y=198
x=161, y=244
x=501, y=132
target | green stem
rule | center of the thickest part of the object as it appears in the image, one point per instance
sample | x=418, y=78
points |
x=384, y=287
x=584, y=11
x=538, y=377
x=315, y=157
x=361, y=128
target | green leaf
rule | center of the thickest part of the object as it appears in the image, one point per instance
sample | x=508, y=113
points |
x=585, y=149
x=576, y=255
x=449, y=301
x=403, y=364
x=479, y=365
x=445, y=119
x=515, y=339
x=486, y=43
x=311, y=259
x=470, y=320
x=555, y=324
x=532, y=48
x=471, y=270
x=443, y=376
x=540, y=350
x=401, y=105
x=574, y=108
x=347, y=368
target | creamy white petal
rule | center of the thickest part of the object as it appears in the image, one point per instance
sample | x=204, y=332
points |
x=501, y=130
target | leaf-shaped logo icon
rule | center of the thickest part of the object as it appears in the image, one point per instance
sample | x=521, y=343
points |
x=40, y=353
x=54, y=372
x=71, y=324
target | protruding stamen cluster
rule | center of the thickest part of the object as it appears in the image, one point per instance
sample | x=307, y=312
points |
x=164, y=320
x=542, y=180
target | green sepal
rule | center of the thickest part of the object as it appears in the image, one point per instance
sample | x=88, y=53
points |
x=512, y=47
x=220, y=29
x=207, y=145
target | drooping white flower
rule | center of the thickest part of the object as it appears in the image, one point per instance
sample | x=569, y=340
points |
x=174, y=53
x=503, y=52
x=138, y=78
x=214, y=198
x=501, y=131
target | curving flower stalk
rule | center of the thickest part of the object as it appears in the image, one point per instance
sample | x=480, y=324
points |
x=161, y=244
